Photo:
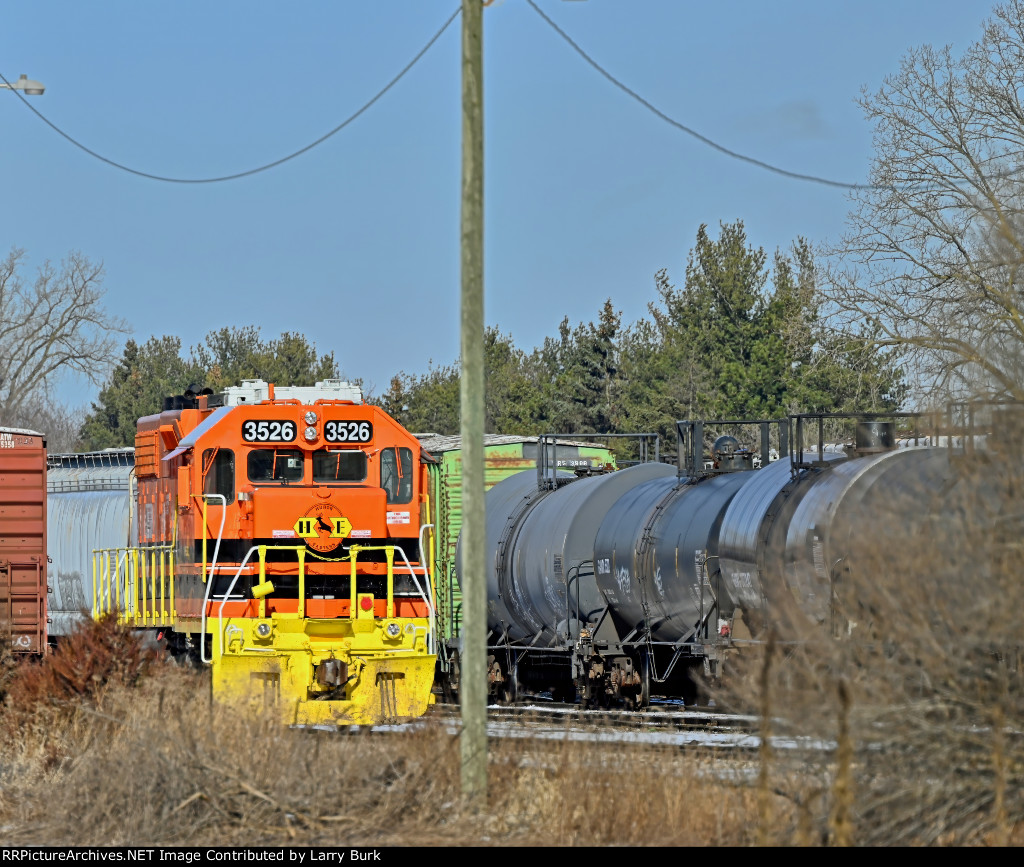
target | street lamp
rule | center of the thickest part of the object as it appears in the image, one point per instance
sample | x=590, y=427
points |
x=32, y=88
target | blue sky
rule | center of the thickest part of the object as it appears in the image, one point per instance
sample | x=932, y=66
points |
x=355, y=243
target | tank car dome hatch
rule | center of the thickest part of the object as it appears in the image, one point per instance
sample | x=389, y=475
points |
x=728, y=455
x=725, y=445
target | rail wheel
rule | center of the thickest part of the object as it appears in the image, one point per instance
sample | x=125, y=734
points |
x=587, y=695
x=644, y=694
x=450, y=681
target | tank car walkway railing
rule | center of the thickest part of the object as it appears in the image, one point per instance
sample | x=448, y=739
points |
x=135, y=584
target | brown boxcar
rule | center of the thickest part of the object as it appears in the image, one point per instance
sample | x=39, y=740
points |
x=23, y=539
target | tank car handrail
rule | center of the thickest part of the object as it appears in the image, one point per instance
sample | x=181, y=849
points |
x=690, y=441
x=552, y=438
x=796, y=424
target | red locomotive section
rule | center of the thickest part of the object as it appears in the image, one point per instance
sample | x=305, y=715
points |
x=279, y=488
x=23, y=539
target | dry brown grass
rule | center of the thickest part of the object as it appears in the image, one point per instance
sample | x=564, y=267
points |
x=103, y=745
x=158, y=764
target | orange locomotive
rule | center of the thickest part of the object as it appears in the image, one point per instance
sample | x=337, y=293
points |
x=280, y=539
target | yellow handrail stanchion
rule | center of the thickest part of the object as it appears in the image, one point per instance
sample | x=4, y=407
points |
x=263, y=578
x=112, y=585
x=136, y=601
x=151, y=577
x=353, y=552
x=302, y=582
x=389, y=553
x=141, y=600
x=154, y=577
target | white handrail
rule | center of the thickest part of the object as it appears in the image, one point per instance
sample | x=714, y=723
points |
x=220, y=532
x=220, y=611
x=423, y=596
x=209, y=575
x=432, y=641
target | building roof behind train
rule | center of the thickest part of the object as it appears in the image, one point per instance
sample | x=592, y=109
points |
x=440, y=443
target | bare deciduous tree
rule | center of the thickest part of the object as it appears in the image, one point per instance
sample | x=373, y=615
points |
x=935, y=249
x=55, y=325
x=59, y=423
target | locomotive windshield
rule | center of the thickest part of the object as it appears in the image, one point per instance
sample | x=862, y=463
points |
x=275, y=465
x=339, y=465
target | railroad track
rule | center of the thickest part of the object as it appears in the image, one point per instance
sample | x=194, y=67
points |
x=551, y=722
x=654, y=719
x=660, y=725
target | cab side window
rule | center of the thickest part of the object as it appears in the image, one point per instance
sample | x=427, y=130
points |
x=396, y=474
x=219, y=474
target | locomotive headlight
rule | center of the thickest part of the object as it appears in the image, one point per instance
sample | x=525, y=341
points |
x=393, y=630
x=263, y=630
x=310, y=417
x=310, y=434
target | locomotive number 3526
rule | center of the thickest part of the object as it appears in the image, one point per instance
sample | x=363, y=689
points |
x=268, y=431
x=348, y=431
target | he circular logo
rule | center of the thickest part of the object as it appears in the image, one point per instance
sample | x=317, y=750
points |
x=323, y=527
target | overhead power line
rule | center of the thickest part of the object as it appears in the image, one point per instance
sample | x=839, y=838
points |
x=702, y=138
x=258, y=169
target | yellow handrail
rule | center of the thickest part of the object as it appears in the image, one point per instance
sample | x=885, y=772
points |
x=389, y=554
x=142, y=593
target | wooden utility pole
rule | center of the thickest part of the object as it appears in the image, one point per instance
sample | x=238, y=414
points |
x=473, y=671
